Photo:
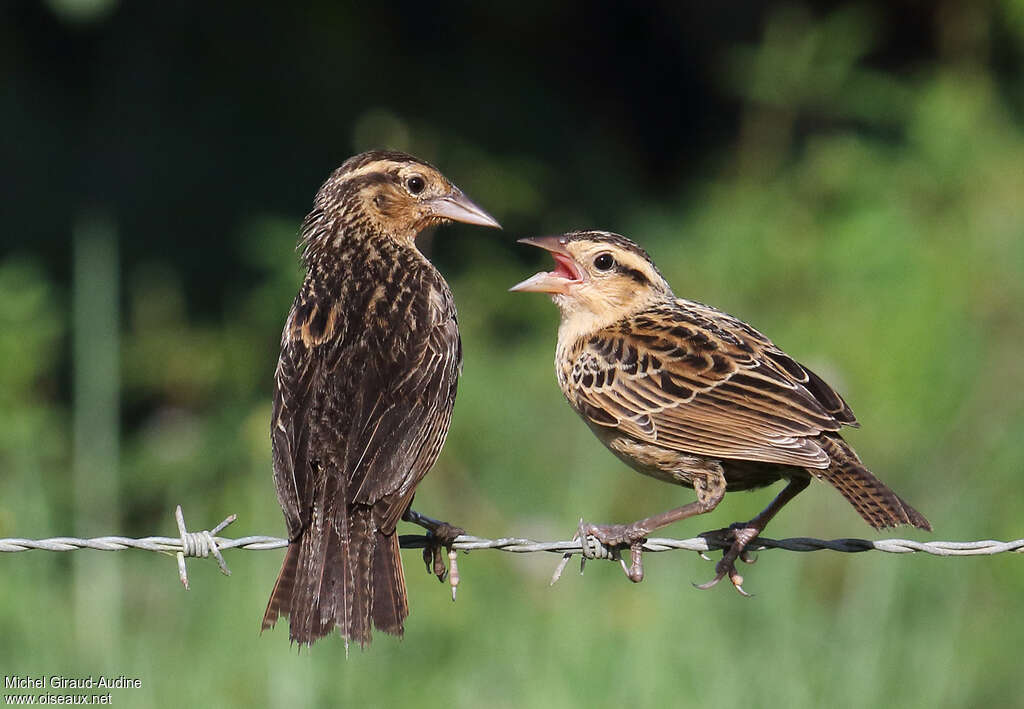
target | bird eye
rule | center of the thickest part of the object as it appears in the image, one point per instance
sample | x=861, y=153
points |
x=415, y=184
x=604, y=261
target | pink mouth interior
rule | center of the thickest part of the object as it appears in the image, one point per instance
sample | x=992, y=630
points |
x=565, y=268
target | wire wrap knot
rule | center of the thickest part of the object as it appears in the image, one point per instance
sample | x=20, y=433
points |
x=199, y=544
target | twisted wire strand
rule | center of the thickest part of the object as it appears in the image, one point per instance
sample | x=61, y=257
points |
x=518, y=545
x=207, y=542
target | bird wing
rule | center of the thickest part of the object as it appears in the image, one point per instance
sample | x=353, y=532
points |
x=295, y=379
x=406, y=427
x=375, y=413
x=694, y=379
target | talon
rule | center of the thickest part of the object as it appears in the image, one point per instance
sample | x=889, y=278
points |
x=439, y=535
x=740, y=590
x=737, y=583
x=432, y=558
x=710, y=584
x=636, y=568
x=623, y=565
x=607, y=542
x=614, y=538
x=704, y=556
x=741, y=534
x=428, y=557
x=440, y=570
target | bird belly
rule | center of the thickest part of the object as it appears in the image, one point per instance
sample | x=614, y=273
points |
x=651, y=459
x=681, y=468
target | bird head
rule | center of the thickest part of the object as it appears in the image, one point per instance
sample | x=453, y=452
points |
x=599, y=275
x=387, y=193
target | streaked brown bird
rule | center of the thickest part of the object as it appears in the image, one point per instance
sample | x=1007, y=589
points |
x=690, y=395
x=363, y=394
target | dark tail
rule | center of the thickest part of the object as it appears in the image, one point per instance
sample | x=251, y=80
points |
x=280, y=603
x=873, y=500
x=327, y=582
x=389, y=604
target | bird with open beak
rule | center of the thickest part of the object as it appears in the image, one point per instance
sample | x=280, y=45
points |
x=363, y=395
x=693, y=396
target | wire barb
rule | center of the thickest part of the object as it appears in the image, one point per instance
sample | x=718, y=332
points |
x=199, y=544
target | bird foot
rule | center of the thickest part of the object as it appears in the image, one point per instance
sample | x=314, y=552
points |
x=440, y=535
x=606, y=541
x=741, y=535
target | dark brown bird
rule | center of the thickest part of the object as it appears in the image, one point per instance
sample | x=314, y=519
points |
x=690, y=395
x=363, y=394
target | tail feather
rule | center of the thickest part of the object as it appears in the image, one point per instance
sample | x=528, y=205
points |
x=913, y=516
x=355, y=623
x=874, y=501
x=390, y=606
x=319, y=574
x=280, y=603
x=346, y=575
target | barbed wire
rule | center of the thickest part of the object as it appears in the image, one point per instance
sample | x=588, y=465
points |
x=206, y=543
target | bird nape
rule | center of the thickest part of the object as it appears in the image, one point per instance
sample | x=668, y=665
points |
x=363, y=395
x=690, y=395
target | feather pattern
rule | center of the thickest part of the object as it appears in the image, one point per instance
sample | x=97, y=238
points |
x=675, y=387
x=357, y=424
x=363, y=396
x=695, y=379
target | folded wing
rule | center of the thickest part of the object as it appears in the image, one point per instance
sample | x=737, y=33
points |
x=695, y=379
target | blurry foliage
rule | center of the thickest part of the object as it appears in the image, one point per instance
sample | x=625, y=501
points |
x=870, y=222
x=34, y=434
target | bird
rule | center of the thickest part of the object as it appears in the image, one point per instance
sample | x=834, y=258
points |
x=363, y=395
x=690, y=395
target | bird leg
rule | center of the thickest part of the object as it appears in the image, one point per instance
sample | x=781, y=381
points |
x=742, y=533
x=710, y=488
x=439, y=535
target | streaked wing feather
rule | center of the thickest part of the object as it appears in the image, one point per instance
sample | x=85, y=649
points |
x=408, y=436
x=398, y=408
x=294, y=381
x=694, y=379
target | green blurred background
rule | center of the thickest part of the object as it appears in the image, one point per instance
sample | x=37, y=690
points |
x=848, y=177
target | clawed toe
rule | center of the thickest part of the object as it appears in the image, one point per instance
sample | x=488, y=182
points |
x=725, y=568
x=607, y=542
x=710, y=584
x=441, y=537
x=607, y=536
x=741, y=535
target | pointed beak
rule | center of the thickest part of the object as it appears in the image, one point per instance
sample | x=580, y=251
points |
x=459, y=208
x=566, y=272
x=554, y=244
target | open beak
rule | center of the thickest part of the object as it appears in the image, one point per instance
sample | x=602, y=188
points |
x=566, y=272
x=459, y=208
